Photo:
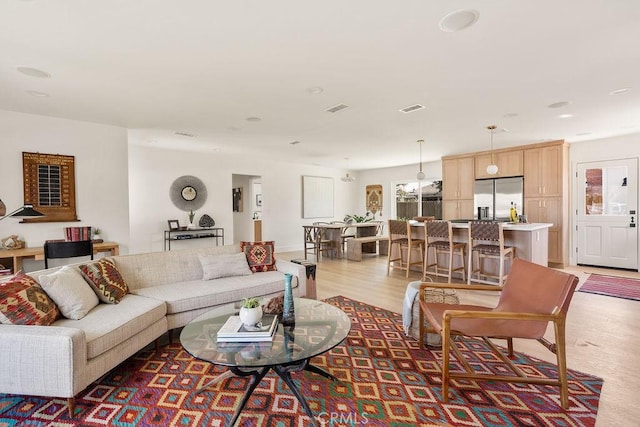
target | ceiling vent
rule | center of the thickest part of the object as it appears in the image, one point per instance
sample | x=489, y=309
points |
x=185, y=134
x=412, y=108
x=336, y=108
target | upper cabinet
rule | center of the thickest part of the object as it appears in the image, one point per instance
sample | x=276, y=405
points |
x=543, y=171
x=510, y=163
x=457, y=178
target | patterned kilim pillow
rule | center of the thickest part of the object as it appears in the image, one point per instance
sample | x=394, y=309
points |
x=106, y=280
x=24, y=302
x=260, y=255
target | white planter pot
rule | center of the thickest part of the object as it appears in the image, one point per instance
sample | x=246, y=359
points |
x=250, y=316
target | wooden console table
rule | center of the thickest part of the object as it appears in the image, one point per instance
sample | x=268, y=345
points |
x=37, y=253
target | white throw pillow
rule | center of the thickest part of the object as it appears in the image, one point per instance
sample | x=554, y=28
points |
x=216, y=266
x=71, y=293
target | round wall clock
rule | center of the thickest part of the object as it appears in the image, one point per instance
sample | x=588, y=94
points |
x=188, y=193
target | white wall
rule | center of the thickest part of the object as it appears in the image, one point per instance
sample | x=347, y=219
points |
x=387, y=176
x=152, y=170
x=101, y=175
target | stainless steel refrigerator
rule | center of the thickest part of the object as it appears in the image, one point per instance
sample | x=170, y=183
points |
x=492, y=198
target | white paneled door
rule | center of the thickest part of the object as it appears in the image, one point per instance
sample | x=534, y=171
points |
x=607, y=207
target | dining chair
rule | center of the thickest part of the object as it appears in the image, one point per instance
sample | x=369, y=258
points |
x=486, y=241
x=347, y=232
x=438, y=235
x=315, y=242
x=62, y=249
x=532, y=297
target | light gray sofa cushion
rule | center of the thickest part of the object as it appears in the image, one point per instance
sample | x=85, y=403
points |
x=108, y=325
x=71, y=293
x=217, y=266
x=196, y=294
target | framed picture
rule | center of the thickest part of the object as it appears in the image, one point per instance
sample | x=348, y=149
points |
x=237, y=199
x=174, y=224
x=258, y=199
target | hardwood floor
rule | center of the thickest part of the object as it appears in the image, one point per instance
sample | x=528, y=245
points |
x=603, y=333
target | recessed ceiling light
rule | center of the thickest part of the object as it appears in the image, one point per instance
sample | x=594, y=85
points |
x=253, y=119
x=37, y=94
x=315, y=90
x=33, y=72
x=620, y=91
x=565, y=116
x=458, y=20
x=559, y=104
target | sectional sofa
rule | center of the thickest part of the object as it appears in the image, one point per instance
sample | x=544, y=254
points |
x=166, y=290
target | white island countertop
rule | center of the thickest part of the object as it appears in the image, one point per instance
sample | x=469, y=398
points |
x=518, y=226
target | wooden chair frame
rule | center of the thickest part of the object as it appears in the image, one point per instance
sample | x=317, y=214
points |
x=444, y=326
x=442, y=244
x=490, y=246
x=315, y=242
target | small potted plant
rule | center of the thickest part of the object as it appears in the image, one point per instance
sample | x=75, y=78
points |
x=191, y=217
x=250, y=311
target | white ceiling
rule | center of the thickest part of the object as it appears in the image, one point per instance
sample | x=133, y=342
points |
x=204, y=66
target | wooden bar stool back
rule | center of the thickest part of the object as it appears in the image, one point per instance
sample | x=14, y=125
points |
x=398, y=240
x=439, y=237
x=486, y=241
x=414, y=243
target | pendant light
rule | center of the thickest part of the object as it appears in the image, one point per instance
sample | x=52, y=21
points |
x=492, y=169
x=347, y=177
x=420, y=175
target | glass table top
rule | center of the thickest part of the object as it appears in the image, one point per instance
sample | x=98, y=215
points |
x=318, y=328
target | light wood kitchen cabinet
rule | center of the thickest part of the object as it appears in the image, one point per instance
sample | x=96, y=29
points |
x=510, y=163
x=548, y=210
x=543, y=169
x=457, y=178
x=457, y=209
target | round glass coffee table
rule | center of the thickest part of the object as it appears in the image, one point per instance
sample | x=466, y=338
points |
x=318, y=328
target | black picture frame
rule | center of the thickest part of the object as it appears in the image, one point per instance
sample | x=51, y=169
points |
x=174, y=224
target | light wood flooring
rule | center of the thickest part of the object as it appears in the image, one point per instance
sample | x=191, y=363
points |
x=603, y=333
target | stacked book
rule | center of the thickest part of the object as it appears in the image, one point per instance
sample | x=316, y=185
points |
x=74, y=234
x=235, y=331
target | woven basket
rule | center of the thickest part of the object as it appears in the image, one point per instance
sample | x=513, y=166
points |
x=447, y=296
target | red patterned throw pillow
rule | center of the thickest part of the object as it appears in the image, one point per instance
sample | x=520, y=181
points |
x=260, y=255
x=106, y=280
x=24, y=302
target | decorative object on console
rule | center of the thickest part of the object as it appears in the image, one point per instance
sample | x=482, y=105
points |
x=97, y=235
x=24, y=210
x=3, y=208
x=206, y=221
x=191, y=225
x=174, y=224
x=492, y=169
x=75, y=234
x=13, y=242
x=260, y=255
x=374, y=199
x=288, y=310
x=188, y=193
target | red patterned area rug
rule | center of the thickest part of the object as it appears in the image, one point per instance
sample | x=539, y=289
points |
x=386, y=381
x=612, y=286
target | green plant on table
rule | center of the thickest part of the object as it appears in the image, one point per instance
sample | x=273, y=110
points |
x=357, y=218
x=251, y=302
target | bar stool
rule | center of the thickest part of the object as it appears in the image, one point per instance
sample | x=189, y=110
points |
x=439, y=236
x=400, y=237
x=485, y=232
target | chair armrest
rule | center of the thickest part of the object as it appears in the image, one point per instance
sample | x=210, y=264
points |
x=461, y=286
x=41, y=360
x=448, y=315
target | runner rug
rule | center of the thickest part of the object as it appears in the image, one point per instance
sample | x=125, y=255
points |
x=612, y=286
x=386, y=381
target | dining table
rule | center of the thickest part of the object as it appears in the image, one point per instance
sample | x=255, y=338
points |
x=334, y=233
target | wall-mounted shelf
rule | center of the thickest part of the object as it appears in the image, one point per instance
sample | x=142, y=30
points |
x=195, y=233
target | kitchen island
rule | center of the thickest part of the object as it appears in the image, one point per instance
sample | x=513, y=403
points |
x=531, y=240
